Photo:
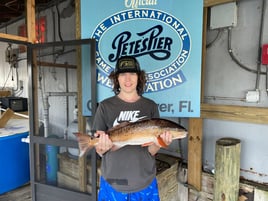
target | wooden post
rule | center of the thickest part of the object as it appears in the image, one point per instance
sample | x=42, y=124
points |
x=81, y=120
x=30, y=21
x=195, y=135
x=227, y=169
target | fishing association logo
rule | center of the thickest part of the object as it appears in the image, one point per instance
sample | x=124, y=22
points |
x=160, y=42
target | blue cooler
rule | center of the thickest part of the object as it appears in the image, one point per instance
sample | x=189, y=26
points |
x=15, y=165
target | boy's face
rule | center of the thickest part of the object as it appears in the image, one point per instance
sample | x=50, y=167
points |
x=128, y=82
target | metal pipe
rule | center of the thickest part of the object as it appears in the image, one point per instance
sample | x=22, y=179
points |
x=260, y=45
x=61, y=93
x=224, y=98
x=230, y=50
x=46, y=115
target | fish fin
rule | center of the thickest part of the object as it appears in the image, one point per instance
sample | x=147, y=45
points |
x=147, y=144
x=161, y=142
x=118, y=126
x=83, y=143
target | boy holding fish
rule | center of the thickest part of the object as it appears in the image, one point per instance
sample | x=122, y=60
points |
x=128, y=173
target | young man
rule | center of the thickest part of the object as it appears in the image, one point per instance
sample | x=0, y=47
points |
x=128, y=173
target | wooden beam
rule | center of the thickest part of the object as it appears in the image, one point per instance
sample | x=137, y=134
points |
x=30, y=21
x=208, y=3
x=81, y=120
x=195, y=135
x=57, y=65
x=5, y=93
x=235, y=113
x=13, y=37
x=5, y=117
x=196, y=125
x=78, y=19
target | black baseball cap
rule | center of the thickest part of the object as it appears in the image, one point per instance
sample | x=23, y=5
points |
x=127, y=64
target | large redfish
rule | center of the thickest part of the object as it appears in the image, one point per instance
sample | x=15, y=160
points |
x=144, y=133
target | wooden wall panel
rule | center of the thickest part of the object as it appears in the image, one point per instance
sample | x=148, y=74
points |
x=247, y=114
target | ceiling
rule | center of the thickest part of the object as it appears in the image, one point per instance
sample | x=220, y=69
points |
x=12, y=10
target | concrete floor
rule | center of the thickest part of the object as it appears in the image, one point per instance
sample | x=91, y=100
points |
x=20, y=194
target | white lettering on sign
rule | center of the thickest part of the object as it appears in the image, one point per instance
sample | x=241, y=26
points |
x=165, y=83
x=137, y=3
x=167, y=42
x=150, y=14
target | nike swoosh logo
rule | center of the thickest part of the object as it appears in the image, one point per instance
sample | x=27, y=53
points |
x=137, y=119
x=133, y=120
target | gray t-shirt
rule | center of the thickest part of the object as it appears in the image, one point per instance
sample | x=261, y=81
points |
x=130, y=168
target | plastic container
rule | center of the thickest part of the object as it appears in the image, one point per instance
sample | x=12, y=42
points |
x=52, y=164
x=15, y=165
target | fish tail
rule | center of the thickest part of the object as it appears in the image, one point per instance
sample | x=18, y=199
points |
x=84, y=143
x=161, y=142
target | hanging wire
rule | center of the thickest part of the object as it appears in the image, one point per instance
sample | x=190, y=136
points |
x=219, y=34
x=59, y=23
x=7, y=79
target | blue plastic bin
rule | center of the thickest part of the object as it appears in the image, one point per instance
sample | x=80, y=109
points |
x=15, y=165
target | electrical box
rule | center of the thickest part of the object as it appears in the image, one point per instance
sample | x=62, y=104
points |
x=17, y=104
x=223, y=15
x=253, y=96
x=264, y=58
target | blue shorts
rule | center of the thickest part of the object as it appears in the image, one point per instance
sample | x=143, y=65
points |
x=107, y=193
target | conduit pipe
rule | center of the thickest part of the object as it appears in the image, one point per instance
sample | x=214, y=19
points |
x=225, y=98
x=46, y=116
x=230, y=50
x=61, y=93
x=260, y=44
